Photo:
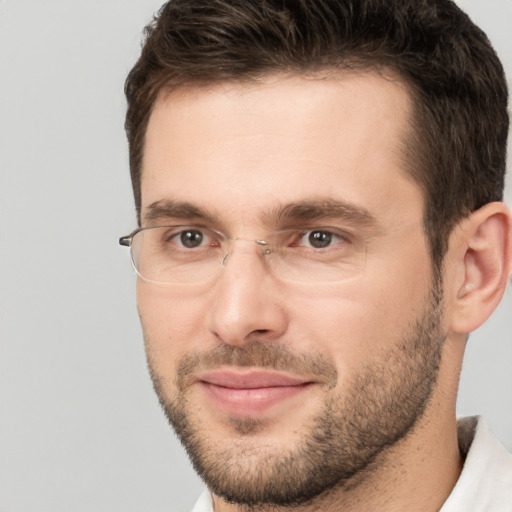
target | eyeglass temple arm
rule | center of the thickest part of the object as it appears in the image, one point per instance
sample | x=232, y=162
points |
x=126, y=241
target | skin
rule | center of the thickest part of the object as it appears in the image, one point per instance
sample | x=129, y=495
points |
x=239, y=152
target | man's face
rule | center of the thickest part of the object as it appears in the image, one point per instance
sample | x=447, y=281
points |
x=282, y=389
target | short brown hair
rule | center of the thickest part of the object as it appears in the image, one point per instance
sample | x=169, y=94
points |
x=457, y=151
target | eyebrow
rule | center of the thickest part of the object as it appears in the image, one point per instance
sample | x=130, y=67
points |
x=169, y=209
x=314, y=210
x=281, y=215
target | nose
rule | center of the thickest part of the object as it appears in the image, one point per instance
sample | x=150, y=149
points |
x=247, y=302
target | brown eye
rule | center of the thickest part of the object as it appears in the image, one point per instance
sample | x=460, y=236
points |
x=191, y=238
x=320, y=239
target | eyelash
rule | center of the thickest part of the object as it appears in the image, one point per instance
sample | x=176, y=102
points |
x=330, y=232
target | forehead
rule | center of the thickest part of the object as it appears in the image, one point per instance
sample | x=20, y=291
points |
x=236, y=149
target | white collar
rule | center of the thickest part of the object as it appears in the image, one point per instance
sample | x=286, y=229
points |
x=485, y=484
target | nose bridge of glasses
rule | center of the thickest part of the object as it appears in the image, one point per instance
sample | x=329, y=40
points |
x=263, y=244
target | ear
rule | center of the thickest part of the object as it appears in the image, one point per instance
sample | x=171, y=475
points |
x=483, y=263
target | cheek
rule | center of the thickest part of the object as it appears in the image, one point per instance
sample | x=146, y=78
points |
x=363, y=319
x=169, y=323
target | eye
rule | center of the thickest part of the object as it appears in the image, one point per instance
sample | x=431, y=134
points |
x=320, y=239
x=193, y=238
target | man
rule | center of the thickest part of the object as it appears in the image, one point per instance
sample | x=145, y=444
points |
x=318, y=186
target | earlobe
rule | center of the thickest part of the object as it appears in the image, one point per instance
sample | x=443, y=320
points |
x=484, y=264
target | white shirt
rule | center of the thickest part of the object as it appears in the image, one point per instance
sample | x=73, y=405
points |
x=485, y=484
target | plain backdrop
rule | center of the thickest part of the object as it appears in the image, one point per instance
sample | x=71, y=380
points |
x=80, y=428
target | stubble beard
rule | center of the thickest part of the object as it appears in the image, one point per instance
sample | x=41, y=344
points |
x=343, y=441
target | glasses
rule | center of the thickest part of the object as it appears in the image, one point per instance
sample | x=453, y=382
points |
x=188, y=254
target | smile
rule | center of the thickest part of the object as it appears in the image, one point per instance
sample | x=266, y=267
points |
x=250, y=393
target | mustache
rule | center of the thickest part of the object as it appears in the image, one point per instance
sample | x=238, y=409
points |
x=265, y=356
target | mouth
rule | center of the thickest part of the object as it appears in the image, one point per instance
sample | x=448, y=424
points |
x=249, y=393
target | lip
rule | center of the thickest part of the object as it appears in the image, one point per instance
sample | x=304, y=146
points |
x=250, y=392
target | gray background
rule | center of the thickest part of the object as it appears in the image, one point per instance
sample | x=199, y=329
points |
x=80, y=429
